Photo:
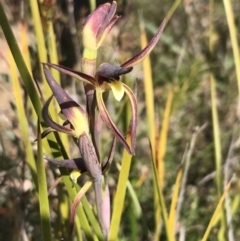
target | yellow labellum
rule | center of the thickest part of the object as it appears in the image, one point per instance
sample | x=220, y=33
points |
x=79, y=122
x=117, y=89
x=75, y=174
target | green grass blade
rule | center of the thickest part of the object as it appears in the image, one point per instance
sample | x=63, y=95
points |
x=161, y=202
x=23, y=121
x=120, y=195
x=43, y=193
x=233, y=37
x=22, y=68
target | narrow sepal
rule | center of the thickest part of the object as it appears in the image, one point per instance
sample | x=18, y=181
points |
x=132, y=130
x=140, y=56
x=73, y=164
x=110, y=157
x=75, y=74
x=108, y=121
x=46, y=132
x=48, y=120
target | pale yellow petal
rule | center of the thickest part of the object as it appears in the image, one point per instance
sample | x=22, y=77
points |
x=117, y=89
x=75, y=174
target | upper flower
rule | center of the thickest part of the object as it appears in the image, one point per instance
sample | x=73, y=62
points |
x=98, y=25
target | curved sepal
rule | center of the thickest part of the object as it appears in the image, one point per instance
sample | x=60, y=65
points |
x=46, y=132
x=108, y=163
x=73, y=164
x=108, y=121
x=48, y=120
x=132, y=130
x=146, y=51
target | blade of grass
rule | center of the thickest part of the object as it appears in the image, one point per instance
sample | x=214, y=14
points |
x=149, y=100
x=42, y=51
x=216, y=131
x=234, y=38
x=52, y=49
x=23, y=123
x=163, y=138
x=173, y=207
x=120, y=195
x=43, y=193
x=22, y=67
x=135, y=202
x=162, y=204
x=148, y=90
x=216, y=212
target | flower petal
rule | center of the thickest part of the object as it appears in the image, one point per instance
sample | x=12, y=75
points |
x=117, y=89
x=108, y=121
x=74, y=175
x=75, y=74
x=107, y=30
x=140, y=56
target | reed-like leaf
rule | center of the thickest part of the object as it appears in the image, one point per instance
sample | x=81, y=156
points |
x=162, y=143
x=217, y=211
x=43, y=193
x=23, y=123
x=234, y=39
x=173, y=207
x=120, y=194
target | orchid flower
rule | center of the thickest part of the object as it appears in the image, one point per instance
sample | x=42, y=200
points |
x=107, y=78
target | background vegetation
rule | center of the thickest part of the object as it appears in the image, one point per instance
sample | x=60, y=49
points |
x=194, y=132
